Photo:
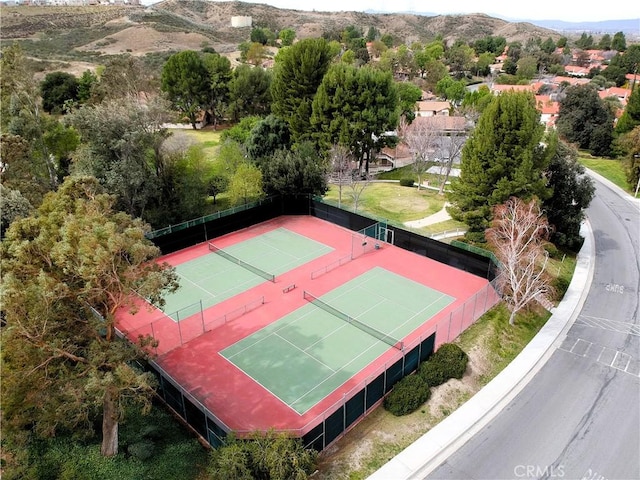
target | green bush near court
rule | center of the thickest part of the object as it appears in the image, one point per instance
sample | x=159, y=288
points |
x=449, y=361
x=407, y=395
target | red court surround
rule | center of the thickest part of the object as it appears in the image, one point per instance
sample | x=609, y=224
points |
x=234, y=398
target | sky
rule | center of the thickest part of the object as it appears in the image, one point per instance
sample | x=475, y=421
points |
x=567, y=10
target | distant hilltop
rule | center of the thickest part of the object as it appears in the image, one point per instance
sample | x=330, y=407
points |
x=69, y=3
x=605, y=26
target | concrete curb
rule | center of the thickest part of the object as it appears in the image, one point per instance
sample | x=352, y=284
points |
x=435, y=446
x=609, y=184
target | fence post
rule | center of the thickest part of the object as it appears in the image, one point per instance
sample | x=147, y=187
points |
x=344, y=412
x=475, y=301
x=486, y=297
x=153, y=335
x=202, y=315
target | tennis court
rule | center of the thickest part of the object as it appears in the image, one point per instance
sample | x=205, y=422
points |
x=210, y=279
x=309, y=353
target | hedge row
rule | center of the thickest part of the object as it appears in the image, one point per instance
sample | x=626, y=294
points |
x=449, y=361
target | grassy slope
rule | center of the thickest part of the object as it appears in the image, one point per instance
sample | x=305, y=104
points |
x=612, y=170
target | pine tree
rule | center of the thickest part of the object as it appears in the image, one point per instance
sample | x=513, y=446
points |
x=502, y=158
x=297, y=74
x=631, y=115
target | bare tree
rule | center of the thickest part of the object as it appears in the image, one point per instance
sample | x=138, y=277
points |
x=341, y=168
x=357, y=186
x=421, y=138
x=450, y=147
x=517, y=235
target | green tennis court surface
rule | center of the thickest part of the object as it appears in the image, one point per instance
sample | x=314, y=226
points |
x=211, y=278
x=306, y=355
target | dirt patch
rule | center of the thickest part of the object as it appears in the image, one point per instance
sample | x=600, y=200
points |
x=140, y=40
x=380, y=436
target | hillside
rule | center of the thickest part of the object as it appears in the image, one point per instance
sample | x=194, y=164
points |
x=86, y=33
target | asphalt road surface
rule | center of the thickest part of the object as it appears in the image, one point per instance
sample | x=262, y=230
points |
x=579, y=417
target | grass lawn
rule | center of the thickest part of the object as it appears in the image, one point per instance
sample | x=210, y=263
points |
x=208, y=138
x=390, y=201
x=612, y=170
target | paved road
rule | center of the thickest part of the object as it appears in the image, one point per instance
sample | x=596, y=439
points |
x=579, y=417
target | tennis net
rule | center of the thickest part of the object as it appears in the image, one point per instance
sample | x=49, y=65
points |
x=394, y=342
x=237, y=261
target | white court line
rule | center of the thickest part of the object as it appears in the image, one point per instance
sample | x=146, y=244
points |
x=303, y=351
x=337, y=371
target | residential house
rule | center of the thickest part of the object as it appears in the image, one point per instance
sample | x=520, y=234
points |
x=431, y=108
x=548, y=108
x=401, y=155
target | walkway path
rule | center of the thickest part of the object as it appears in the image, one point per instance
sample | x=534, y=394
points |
x=437, y=217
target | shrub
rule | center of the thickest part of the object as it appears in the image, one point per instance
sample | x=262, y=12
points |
x=142, y=450
x=560, y=286
x=449, y=361
x=407, y=182
x=553, y=251
x=455, y=359
x=433, y=373
x=407, y=395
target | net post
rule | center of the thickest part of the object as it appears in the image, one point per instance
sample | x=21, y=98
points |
x=202, y=315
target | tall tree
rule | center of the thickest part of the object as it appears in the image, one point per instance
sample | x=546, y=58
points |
x=63, y=366
x=630, y=144
x=287, y=36
x=502, y=158
x=421, y=138
x=56, y=89
x=619, y=42
x=249, y=92
x=297, y=171
x=219, y=70
x=354, y=107
x=584, y=119
x=13, y=205
x=124, y=77
x=298, y=72
x=408, y=95
x=572, y=192
x=18, y=172
x=341, y=170
x=517, y=234
x=460, y=59
x=245, y=184
x=449, y=146
x=269, y=135
x=631, y=116
x=121, y=143
x=21, y=113
x=186, y=82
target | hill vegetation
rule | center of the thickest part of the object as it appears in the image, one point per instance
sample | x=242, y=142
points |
x=90, y=32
